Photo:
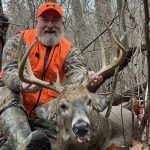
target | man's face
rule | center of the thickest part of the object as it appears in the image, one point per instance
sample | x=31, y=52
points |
x=49, y=28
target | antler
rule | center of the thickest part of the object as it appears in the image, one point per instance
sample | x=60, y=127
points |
x=31, y=79
x=106, y=69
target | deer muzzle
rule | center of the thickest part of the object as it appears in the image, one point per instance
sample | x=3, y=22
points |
x=81, y=130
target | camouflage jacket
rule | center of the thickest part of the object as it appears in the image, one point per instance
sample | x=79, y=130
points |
x=74, y=65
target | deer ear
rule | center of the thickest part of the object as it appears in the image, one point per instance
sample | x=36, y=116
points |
x=96, y=103
x=101, y=102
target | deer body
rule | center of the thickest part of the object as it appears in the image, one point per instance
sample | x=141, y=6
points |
x=80, y=123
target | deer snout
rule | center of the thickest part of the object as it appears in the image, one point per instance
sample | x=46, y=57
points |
x=81, y=128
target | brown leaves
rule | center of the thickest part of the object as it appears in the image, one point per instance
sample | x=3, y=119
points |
x=137, y=106
x=114, y=147
x=136, y=145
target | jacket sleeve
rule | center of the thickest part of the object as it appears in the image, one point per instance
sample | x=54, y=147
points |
x=10, y=64
x=74, y=66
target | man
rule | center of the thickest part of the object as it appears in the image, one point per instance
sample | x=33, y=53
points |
x=52, y=52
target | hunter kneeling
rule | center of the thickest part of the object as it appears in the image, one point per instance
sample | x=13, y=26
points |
x=18, y=99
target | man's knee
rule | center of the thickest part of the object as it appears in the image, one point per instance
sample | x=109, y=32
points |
x=9, y=98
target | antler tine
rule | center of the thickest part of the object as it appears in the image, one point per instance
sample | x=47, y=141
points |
x=103, y=57
x=19, y=49
x=31, y=79
x=57, y=83
x=116, y=61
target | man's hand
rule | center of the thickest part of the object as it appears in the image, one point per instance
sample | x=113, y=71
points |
x=94, y=79
x=30, y=88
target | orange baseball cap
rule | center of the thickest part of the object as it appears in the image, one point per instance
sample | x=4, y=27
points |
x=49, y=6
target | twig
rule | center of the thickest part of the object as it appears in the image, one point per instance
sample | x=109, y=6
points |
x=11, y=23
x=112, y=92
x=82, y=50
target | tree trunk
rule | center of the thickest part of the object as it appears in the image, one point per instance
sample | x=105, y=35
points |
x=80, y=24
x=3, y=31
x=122, y=25
x=32, y=11
x=147, y=40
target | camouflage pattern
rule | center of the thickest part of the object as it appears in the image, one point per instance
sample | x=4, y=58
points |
x=15, y=132
x=75, y=66
x=10, y=64
x=4, y=145
x=9, y=98
x=15, y=128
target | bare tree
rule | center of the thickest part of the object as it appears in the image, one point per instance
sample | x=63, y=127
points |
x=79, y=23
x=32, y=10
x=3, y=30
x=121, y=4
x=54, y=1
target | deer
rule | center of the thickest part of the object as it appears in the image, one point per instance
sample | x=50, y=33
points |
x=78, y=113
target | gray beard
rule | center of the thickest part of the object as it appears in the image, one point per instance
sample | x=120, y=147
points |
x=50, y=39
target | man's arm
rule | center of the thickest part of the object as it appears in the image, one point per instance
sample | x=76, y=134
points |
x=74, y=66
x=10, y=64
x=10, y=67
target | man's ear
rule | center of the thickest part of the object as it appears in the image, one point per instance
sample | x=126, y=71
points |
x=63, y=21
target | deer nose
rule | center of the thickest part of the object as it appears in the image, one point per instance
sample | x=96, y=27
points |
x=81, y=128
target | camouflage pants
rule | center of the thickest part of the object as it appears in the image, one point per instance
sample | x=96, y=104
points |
x=38, y=124
x=8, y=99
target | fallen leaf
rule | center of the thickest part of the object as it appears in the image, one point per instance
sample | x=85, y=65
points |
x=136, y=145
x=114, y=147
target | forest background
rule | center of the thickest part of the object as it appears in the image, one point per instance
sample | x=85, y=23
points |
x=85, y=27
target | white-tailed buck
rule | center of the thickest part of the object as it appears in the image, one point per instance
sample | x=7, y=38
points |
x=80, y=114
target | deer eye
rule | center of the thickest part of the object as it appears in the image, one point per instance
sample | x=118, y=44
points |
x=63, y=106
x=89, y=103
